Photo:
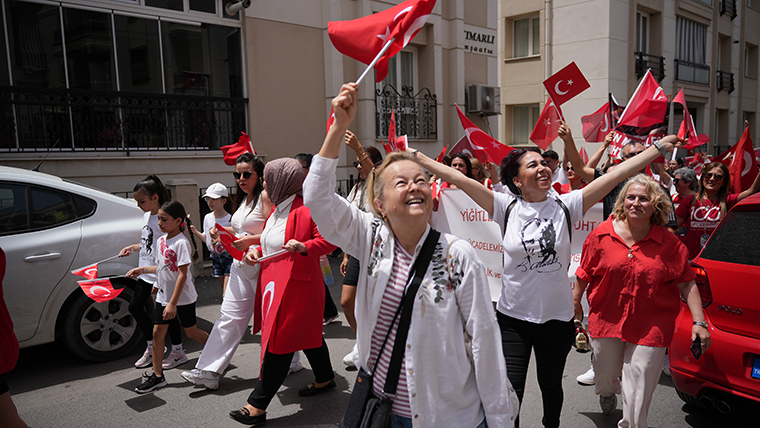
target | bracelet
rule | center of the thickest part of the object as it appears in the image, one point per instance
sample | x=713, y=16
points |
x=364, y=156
x=660, y=147
x=701, y=323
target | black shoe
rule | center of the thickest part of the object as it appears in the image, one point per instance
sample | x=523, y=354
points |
x=244, y=417
x=151, y=383
x=311, y=389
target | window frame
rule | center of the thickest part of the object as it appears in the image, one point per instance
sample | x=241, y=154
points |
x=533, y=22
x=533, y=110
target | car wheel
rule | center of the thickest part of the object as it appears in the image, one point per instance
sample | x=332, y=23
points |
x=688, y=399
x=100, y=332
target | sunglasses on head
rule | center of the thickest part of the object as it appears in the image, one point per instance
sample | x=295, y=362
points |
x=245, y=174
x=710, y=176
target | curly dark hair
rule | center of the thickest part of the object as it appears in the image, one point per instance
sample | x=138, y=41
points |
x=510, y=167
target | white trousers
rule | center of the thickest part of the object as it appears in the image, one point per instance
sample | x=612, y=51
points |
x=640, y=367
x=236, y=313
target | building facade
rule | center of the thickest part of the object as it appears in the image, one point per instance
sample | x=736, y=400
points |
x=114, y=90
x=708, y=48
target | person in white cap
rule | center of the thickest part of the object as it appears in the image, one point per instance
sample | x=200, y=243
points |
x=217, y=198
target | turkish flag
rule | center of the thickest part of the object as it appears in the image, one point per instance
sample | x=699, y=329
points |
x=273, y=280
x=439, y=159
x=392, y=132
x=547, y=126
x=232, y=151
x=226, y=238
x=330, y=119
x=584, y=155
x=89, y=272
x=566, y=83
x=362, y=39
x=597, y=125
x=479, y=143
x=686, y=130
x=648, y=105
x=740, y=160
x=99, y=290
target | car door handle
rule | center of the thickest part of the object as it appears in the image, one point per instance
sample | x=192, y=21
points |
x=41, y=257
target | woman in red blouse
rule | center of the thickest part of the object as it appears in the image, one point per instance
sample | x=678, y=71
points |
x=635, y=269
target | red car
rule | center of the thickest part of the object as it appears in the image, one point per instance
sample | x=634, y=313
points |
x=728, y=278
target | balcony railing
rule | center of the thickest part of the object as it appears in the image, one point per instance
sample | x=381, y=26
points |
x=692, y=72
x=725, y=81
x=35, y=118
x=728, y=7
x=645, y=61
x=416, y=115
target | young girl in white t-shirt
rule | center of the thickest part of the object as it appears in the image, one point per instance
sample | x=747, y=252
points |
x=217, y=198
x=174, y=288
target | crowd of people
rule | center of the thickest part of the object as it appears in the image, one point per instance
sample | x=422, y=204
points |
x=384, y=229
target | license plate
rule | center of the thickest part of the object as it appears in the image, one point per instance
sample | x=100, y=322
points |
x=756, y=368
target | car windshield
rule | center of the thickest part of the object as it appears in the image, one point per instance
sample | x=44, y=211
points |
x=735, y=240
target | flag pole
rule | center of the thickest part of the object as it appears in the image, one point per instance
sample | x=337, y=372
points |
x=556, y=108
x=377, y=58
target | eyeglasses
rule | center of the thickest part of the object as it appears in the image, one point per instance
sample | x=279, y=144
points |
x=245, y=174
x=677, y=180
x=710, y=176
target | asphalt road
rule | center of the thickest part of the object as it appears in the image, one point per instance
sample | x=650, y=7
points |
x=52, y=388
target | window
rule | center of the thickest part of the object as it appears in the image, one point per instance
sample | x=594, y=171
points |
x=526, y=37
x=402, y=70
x=642, y=32
x=44, y=208
x=13, y=217
x=750, y=61
x=89, y=50
x=754, y=4
x=34, y=35
x=691, y=65
x=729, y=241
x=524, y=118
x=139, y=54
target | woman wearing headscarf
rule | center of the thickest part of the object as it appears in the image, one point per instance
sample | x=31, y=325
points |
x=297, y=321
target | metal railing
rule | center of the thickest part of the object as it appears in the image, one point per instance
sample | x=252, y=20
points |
x=415, y=114
x=692, y=72
x=645, y=61
x=728, y=7
x=725, y=81
x=34, y=118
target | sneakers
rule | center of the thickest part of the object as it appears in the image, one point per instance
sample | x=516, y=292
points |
x=204, y=378
x=666, y=366
x=329, y=320
x=608, y=404
x=146, y=359
x=348, y=360
x=587, y=378
x=295, y=367
x=151, y=383
x=174, y=359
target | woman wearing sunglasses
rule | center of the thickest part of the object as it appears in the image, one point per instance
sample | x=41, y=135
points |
x=703, y=211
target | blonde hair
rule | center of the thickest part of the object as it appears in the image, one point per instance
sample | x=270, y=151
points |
x=482, y=174
x=657, y=196
x=375, y=181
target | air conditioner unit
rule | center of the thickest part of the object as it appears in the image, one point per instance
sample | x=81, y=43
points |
x=484, y=99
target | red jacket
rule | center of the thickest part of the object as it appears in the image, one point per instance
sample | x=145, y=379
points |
x=8, y=342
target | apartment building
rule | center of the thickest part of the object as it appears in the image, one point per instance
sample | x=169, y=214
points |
x=708, y=48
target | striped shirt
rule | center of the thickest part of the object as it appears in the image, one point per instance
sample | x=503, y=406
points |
x=392, y=296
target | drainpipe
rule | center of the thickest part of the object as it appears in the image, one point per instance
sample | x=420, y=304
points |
x=549, y=12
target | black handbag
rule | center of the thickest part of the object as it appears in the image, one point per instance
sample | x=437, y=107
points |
x=365, y=410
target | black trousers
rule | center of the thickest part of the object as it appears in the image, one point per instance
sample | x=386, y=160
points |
x=275, y=367
x=552, y=341
x=330, y=309
x=140, y=295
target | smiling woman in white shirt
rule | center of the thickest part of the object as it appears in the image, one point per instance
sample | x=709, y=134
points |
x=451, y=308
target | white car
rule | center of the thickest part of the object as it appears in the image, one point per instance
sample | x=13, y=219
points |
x=48, y=227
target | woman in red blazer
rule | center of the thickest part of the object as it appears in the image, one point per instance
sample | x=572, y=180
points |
x=292, y=290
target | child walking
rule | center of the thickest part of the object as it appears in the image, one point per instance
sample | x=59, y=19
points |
x=150, y=194
x=175, y=291
x=217, y=198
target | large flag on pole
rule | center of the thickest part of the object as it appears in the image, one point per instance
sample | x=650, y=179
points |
x=566, y=83
x=362, y=39
x=740, y=160
x=232, y=151
x=479, y=144
x=547, y=126
x=686, y=130
x=648, y=105
x=597, y=125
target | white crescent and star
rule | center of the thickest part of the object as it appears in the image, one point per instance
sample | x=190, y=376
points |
x=97, y=290
x=747, y=163
x=606, y=126
x=90, y=271
x=268, y=289
x=556, y=87
x=416, y=25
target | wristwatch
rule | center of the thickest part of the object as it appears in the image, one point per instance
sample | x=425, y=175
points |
x=701, y=323
x=660, y=147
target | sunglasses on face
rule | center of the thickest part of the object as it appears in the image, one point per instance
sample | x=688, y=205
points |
x=710, y=176
x=569, y=168
x=630, y=155
x=677, y=180
x=356, y=164
x=245, y=174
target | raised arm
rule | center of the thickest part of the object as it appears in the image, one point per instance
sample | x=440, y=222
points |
x=353, y=142
x=752, y=189
x=598, y=188
x=478, y=192
x=597, y=156
x=586, y=172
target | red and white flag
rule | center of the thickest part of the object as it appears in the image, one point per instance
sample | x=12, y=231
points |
x=330, y=120
x=226, y=238
x=566, y=83
x=686, y=130
x=362, y=39
x=597, y=125
x=439, y=159
x=99, y=290
x=648, y=105
x=584, y=154
x=547, y=126
x=232, y=151
x=479, y=144
x=740, y=160
x=89, y=272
